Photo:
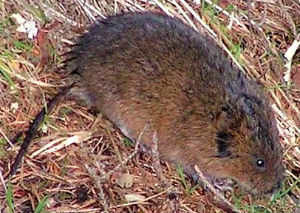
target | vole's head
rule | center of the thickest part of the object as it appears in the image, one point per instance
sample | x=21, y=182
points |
x=248, y=147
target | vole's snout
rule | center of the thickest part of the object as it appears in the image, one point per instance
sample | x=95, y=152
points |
x=278, y=185
x=275, y=188
x=280, y=181
x=280, y=176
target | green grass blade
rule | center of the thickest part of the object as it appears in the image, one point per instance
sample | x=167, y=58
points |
x=9, y=197
x=41, y=206
x=3, y=71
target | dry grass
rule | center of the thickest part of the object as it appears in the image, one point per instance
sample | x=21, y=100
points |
x=72, y=161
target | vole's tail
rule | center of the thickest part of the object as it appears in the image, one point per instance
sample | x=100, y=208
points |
x=35, y=125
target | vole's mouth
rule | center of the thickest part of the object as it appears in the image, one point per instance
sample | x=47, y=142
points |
x=272, y=190
x=227, y=184
x=268, y=191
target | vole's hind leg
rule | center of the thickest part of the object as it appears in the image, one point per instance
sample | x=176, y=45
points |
x=79, y=94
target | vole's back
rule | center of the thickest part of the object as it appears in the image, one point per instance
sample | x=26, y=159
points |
x=143, y=65
x=148, y=68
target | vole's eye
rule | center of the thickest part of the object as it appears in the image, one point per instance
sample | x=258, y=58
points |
x=260, y=163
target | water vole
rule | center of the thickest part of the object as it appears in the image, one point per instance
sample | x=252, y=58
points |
x=141, y=68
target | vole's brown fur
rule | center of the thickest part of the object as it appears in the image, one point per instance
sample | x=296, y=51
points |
x=141, y=68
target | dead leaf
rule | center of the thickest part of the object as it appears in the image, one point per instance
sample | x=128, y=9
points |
x=125, y=180
x=28, y=27
x=134, y=197
x=223, y=3
x=42, y=44
x=296, y=77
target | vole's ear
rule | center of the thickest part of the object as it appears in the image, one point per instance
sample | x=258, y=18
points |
x=223, y=121
x=224, y=118
x=223, y=140
x=248, y=106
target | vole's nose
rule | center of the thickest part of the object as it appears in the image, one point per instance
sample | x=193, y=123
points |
x=277, y=185
x=275, y=188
